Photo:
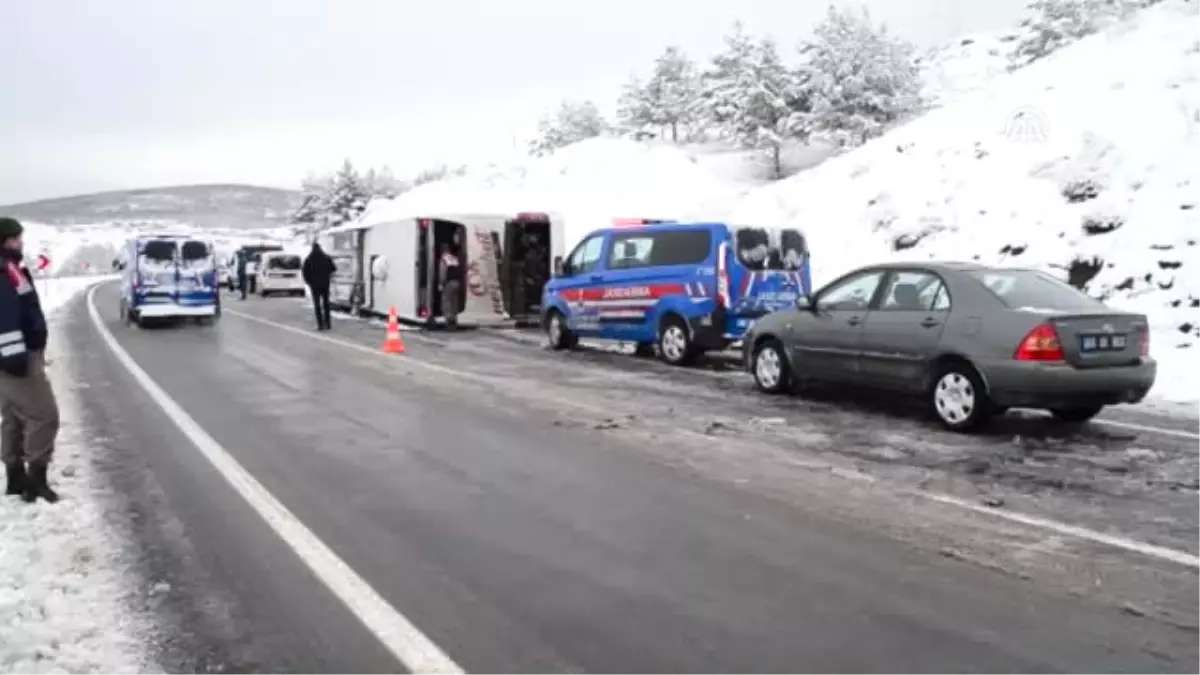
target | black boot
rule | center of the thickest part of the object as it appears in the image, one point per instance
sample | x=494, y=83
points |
x=36, y=485
x=16, y=478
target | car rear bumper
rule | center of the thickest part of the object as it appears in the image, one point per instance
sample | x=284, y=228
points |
x=165, y=310
x=1051, y=385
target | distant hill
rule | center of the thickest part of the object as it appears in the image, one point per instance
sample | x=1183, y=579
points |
x=229, y=207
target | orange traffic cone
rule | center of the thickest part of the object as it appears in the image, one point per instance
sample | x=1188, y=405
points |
x=392, y=344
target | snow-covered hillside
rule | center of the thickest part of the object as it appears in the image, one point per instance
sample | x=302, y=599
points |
x=965, y=67
x=1086, y=158
x=588, y=184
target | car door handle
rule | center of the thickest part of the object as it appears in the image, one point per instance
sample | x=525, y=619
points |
x=930, y=323
x=854, y=321
x=597, y=277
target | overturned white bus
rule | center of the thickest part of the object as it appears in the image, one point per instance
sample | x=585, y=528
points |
x=507, y=260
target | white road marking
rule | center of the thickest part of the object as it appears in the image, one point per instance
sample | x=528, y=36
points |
x=1177, y=433
x=397, y=633
x=1114, y=541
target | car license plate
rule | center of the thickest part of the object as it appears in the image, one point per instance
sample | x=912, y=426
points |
x=1102, y=343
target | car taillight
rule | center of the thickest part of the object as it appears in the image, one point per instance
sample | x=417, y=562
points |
x=422, y=312
x=1145, y=344
x=1040, y=344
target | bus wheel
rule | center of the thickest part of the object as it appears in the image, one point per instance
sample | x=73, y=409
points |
x=558, y=336
x=675, y=342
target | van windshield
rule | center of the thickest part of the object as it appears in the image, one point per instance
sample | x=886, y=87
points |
x=759, y=248
x=284, y=262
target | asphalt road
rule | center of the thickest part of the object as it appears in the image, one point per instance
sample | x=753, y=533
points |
x=528, y=513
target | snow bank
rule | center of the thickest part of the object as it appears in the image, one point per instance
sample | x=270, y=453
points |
x=62, y=582
x=588, y=184
x=1084, y=157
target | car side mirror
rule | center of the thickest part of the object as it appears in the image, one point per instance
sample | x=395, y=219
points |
x=806, y=303
x=560, y=267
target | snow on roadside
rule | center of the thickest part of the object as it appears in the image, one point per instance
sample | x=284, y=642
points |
x=64, y=584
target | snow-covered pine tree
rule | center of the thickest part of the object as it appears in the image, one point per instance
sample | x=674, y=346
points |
x=634, y=116
x=861, y=79
x=381, y=183
x=347, y=198
x=753, y=98
x=672, y=92
x=571, y=123
x=315, y=188
x=1054, y=24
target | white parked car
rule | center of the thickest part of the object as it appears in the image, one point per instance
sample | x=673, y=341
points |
x=279, y=272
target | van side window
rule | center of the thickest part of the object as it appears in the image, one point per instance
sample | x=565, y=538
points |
x=652, y=249
x=586, y=255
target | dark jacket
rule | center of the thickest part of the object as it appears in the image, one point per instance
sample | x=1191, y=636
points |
x=318, y=269
x=22, y=323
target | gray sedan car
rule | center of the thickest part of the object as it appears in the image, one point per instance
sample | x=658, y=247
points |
x=972, y=340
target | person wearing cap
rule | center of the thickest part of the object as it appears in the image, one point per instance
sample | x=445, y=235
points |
x=28, y=408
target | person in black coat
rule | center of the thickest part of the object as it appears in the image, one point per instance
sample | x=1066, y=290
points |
x=318, y=271
x=28, y=408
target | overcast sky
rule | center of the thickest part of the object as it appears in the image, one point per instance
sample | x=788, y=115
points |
x=112, y=94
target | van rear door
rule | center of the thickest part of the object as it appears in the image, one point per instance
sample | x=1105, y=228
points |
x=767, y=270
x=156, y=272
x=196, y=274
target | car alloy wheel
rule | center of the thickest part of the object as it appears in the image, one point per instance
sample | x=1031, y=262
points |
x=554, y=330
x=771, y=368
x=954, y=399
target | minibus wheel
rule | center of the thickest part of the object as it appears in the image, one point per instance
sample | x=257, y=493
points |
x=675, y=342
x=558, y=336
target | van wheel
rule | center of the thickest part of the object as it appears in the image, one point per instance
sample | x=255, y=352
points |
x=675, y=343
x=958, y=397
x=558, y=336
x=772, y=374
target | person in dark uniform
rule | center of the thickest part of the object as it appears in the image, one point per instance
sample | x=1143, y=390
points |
x=318, y=271
x=241, y=273
x=450, y=276
x=28, y=407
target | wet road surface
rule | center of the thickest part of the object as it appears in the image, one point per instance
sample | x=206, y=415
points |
x=537, y=512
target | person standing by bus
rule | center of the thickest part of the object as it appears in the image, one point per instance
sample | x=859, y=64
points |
x=27, y=402
x=450, y=278
x=318, y=270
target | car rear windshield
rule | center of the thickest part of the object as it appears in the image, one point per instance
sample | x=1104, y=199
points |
x=759, y=248
x=1028, y=289
x=194, y=250
x=284, y=262
x=159, y=250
